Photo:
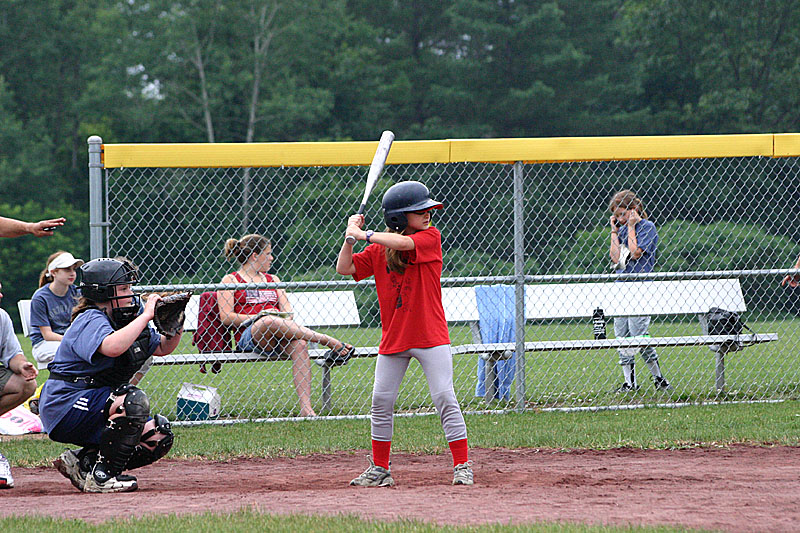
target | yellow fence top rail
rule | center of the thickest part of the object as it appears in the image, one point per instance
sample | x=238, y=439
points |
x=302, y=154
x=556, y=149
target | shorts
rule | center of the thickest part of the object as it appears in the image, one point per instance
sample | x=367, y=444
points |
x=44, y=352
x=82, y=425
x=246, y=344
x=5, y=375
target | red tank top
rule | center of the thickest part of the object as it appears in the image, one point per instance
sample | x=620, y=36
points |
x=251, y=301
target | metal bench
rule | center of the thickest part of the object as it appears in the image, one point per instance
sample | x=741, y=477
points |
x=311, y=309
x=579, y=300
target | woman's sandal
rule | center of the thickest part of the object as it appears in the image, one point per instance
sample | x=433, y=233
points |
x=339, y=356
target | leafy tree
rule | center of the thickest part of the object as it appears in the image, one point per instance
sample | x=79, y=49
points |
x=716, y=66
x=26, y=163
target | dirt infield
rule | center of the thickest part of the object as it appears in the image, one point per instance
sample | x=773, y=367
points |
x=739, y=488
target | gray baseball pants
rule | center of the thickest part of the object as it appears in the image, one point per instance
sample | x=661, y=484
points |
x=437, y=364
x=632, y=326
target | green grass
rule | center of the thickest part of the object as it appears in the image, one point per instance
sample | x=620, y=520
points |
x=553, y=379
x=248, y=520
x=759, y=424
x=575, y=378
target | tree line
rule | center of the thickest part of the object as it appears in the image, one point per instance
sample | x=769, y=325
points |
x=290, y=70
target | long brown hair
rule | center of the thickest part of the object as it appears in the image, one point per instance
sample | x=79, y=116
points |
x=84, y=304
x=243, y=249
x=395, y=259
x=45, y=277
x=627, y=199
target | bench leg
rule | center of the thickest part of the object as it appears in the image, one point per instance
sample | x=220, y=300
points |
x=326, y=388
x=720, y=369
x=490, y=378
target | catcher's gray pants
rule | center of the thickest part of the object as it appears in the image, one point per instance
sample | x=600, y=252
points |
x=633, y=326
x=437, y=364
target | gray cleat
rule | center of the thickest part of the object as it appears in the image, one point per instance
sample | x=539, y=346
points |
x=374, y=476
x=99, y=481
x=462, y=474
x=69, y=466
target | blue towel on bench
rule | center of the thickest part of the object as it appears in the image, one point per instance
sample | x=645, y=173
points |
x=496, y=312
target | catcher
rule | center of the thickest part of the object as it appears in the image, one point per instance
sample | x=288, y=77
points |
x=88, y=401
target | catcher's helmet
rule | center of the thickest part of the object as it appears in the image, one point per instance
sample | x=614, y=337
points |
x=404, y=197
x=100, y=276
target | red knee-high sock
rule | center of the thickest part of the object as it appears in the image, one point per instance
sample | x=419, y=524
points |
x=380, y=452
x=460, y=451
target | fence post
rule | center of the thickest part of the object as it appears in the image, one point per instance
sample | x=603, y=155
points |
x=95, y=197
x=519, y=283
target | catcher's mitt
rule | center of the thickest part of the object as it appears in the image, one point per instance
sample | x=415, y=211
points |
x=170, y=313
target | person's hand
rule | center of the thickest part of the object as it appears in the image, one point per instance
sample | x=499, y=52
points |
x=28, y=371
x=46, y=227
x=150, y=306
x=356, y=233
x=633, y=218
x=613, y=223
x=356, y=220
x=791, y=280
x=354, y=225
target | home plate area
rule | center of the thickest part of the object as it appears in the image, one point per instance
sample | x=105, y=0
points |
x=734, y=488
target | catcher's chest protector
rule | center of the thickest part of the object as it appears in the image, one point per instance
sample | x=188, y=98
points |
x=211, y=334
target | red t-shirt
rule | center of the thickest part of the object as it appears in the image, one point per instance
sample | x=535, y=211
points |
x=251, y=301
x=412, y=315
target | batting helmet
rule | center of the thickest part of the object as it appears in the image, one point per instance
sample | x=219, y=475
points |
x=100, y=276
x=404, y=197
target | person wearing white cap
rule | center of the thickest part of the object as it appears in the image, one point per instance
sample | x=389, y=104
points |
x=51, y=305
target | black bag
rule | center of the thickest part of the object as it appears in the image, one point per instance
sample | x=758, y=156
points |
x=723, y=322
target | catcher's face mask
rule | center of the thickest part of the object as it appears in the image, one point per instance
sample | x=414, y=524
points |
x=125, y=305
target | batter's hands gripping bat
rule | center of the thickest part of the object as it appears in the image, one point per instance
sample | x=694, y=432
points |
x=375, y=169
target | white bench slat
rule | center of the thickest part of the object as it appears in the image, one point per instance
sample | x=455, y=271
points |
x=317, y=355
x=311, y=309
x=325, y=308
x=592, y=344
x=24, y=307
x=579, y=300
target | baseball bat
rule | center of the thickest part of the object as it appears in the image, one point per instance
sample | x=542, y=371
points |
x=375, y=169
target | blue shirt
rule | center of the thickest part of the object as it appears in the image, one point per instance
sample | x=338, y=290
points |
x=77, y=355
x=9, y=344
x=49, y=309
x=647, y=240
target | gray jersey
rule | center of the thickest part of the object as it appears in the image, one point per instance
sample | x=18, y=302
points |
x=9, y=344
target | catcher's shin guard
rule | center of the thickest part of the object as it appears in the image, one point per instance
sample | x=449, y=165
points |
x=151, y=449
x=122, y=434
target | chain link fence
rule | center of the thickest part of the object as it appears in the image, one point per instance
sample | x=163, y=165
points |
x=732, y=218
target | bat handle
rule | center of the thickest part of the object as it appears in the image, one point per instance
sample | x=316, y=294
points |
x=350, y=239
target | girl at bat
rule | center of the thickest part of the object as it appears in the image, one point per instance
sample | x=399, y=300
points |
x=406, y=261
x=88, y=400
x=256, y=328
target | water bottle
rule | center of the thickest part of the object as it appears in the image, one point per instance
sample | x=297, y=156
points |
x=599, y=324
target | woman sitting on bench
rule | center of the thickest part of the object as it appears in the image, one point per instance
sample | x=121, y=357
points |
x=262, y=318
